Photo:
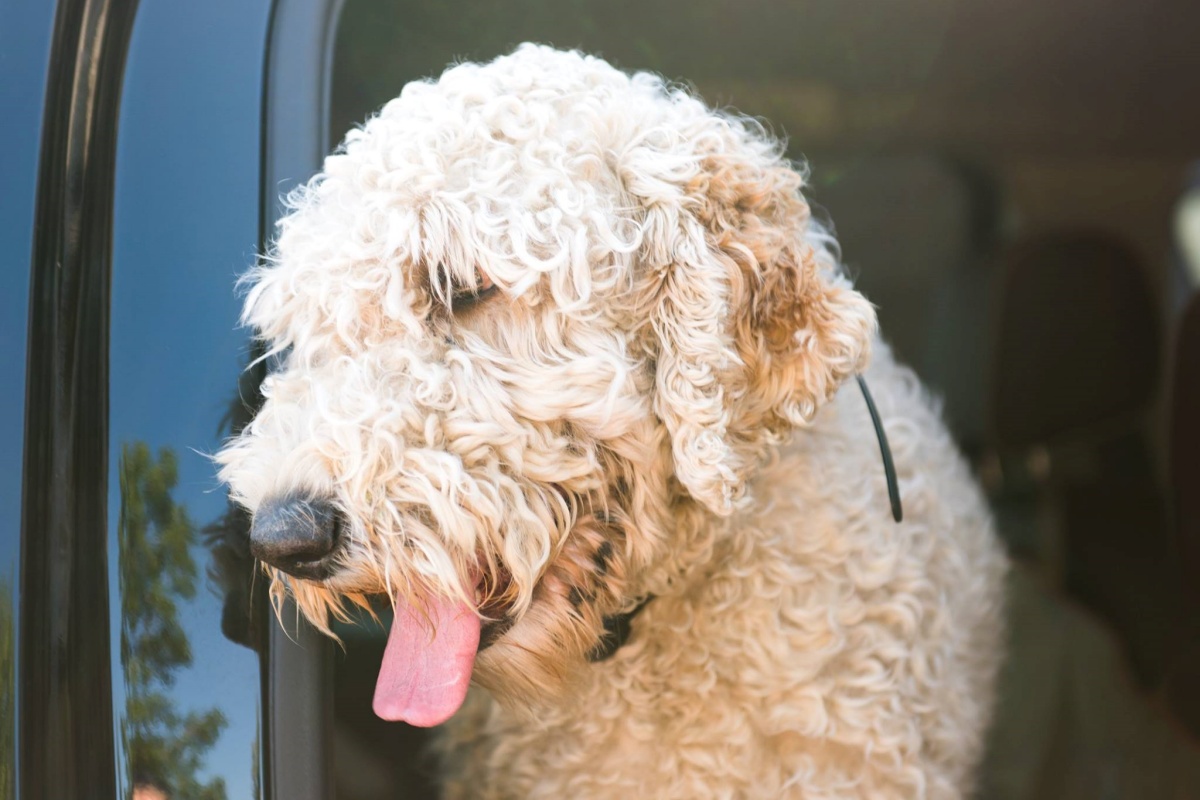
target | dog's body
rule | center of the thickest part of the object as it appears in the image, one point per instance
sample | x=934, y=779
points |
x=559, y=340
x=820, y=650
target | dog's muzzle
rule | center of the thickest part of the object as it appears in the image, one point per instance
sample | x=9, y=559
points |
x=297, y=534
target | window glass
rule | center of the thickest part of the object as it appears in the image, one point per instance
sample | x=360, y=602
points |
x=186, y=223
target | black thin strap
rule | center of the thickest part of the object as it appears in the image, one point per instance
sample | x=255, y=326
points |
x=616, y=632
x=618, y=627
x=889, y=468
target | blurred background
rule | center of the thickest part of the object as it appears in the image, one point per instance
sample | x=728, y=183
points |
x=1014, y=184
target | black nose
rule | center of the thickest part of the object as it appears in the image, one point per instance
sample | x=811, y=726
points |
x=296, y=534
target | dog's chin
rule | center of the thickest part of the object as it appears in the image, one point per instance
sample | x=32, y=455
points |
x=535, y=662
x=321, y=588
x=432, y=641
x=436, y=647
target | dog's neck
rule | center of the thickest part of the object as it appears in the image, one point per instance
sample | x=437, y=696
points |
x=618, y=627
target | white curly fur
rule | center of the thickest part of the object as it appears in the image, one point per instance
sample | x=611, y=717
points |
x=617, y=421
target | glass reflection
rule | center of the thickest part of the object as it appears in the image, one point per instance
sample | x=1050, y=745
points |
x=166, y=746
x=190, y=626
x=232, y=569
x=174, y=714
x=185, y=224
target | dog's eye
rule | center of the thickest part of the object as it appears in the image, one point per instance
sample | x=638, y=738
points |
x=459, y=296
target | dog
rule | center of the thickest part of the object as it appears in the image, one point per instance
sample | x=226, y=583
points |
x=566, y=371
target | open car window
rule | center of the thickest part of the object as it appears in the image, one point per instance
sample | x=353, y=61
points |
x=953, y=145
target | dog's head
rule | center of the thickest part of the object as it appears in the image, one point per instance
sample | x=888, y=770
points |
x=534, y=321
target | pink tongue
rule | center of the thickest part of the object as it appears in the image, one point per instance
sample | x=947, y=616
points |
x=427, y=664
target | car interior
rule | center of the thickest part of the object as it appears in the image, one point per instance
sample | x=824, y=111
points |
x=1016, y=189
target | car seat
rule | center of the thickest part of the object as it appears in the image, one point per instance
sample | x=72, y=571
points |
x=1075, y=371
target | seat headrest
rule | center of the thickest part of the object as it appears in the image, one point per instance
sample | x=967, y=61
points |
x=1077, y=341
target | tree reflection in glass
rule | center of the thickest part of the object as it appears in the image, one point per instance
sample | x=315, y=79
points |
x=165, y=746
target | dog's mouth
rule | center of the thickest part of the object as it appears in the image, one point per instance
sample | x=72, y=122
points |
x=427, y=663
x=430, y=655
x=431, y=646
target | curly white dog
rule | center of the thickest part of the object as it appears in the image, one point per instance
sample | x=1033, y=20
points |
x=560, y=345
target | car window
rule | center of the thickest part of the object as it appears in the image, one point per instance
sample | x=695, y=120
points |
x=945, y=139
x=799, y=80
x=184, y=621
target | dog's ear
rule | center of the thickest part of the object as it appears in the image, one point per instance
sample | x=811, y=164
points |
x=754, y=325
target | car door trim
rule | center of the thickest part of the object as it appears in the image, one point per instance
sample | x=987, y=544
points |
x=298, y=673
x=65, y=687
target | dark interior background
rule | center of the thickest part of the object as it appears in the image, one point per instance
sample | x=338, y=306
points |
x=1010, y=184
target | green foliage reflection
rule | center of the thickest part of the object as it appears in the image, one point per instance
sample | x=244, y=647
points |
x=165, y=748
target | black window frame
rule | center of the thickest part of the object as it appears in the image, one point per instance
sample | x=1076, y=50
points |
x=64, y=674
x=298, y=690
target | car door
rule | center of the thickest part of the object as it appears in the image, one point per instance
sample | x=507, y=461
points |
x=137, y=653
